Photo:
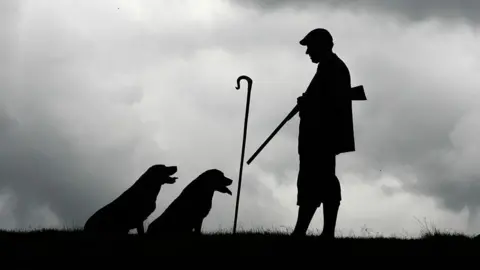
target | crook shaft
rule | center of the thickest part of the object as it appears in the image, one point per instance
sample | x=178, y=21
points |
x=249, y=81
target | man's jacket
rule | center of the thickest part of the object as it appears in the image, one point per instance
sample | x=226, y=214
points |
x=326, y=119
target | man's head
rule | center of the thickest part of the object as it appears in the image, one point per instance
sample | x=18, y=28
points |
x=319, y=43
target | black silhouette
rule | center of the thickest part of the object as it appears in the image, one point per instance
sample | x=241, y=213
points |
x=133, y=206
x=186, y=213
x=326, y=130
x=249, y=81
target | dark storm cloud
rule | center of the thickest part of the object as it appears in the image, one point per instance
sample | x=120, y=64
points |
x=47, y=161
x=411, y=9
x=420, y=118
x=51, y=152
x=71, y=136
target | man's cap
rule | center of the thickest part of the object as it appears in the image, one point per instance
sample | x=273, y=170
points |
x=317, y=36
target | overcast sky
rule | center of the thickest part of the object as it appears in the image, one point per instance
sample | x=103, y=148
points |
x=95, y=92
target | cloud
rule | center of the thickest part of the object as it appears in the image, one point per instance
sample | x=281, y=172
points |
x=463, y=10
x=421, y=121
x=369, y=211
x=66, y=139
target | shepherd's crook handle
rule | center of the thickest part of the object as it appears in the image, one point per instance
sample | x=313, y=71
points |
x=249, y=81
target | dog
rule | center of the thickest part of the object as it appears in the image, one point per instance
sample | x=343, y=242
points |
x=133, y=206
x=186, y=213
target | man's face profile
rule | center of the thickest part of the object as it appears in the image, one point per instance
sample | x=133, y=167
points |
x=314, y=53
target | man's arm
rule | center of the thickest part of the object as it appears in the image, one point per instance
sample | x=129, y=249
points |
x=332, y=87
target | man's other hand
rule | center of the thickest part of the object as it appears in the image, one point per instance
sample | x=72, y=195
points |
x=300, y=104
x=300, y=100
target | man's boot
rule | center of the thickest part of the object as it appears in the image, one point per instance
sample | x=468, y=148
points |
x=305, y=215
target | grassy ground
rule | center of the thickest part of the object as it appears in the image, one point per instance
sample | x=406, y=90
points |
x=68, y=242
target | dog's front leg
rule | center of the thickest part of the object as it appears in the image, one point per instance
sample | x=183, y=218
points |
x=140, y=229
x=198, y=227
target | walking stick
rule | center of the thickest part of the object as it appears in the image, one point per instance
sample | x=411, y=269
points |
x=249, y=81
x=356, y=93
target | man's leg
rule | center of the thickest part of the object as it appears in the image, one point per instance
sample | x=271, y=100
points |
x=332, y=199
x=305, y=215
x=330, y=212
x=305, y=202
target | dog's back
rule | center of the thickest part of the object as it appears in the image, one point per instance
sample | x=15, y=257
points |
x=183, y=211
x=132, y=207
x=123, y=213
x=188, y=210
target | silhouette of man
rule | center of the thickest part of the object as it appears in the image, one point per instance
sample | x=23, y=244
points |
x=325, y=130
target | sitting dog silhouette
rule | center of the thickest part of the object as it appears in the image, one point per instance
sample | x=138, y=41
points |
x=186, y=213
x=133, y=206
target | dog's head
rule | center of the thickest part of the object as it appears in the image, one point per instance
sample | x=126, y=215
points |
x=215, y=180
x=161, y=173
